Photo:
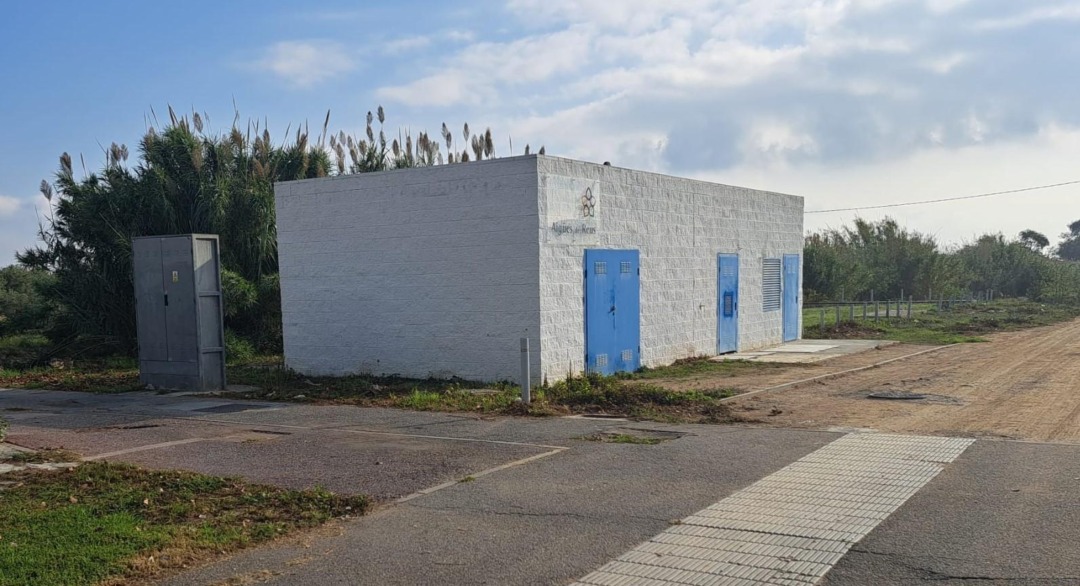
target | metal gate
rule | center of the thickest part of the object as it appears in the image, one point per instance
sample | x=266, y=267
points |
x=727, y=287
x=792, y=284
x=612, y=311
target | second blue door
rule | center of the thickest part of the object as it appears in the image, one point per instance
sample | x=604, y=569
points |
x=792, y=285
x=612, y=311
x=727, y=286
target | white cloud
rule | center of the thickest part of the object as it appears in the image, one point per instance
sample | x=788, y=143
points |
x=631, y=16
x=946, y=63
x=1044, y=158
x=657, y=47
x=976, y=127
x=942, y=6
x=874, y=98
x=1063, y=12
x=405, y=44
x=776, y=137
x=475, y=72
x=305, y=63
x=9, y=205
x=460, y=36
x=440, y=89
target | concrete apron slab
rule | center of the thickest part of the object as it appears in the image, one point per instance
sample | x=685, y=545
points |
x=385, y=454
x=806, y=351
x=344, y=460
x=546, y=522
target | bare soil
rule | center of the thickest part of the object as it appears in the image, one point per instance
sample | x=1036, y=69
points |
x=772, y=374
x=1019, y=385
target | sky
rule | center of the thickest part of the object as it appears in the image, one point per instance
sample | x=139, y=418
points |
x=850, y=103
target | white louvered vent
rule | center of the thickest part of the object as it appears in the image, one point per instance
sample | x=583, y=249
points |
x=771, y=284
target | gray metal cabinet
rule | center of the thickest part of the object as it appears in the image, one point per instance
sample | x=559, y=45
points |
x=179, y=312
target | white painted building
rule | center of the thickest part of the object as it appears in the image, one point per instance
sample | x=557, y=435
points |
x=441, y=271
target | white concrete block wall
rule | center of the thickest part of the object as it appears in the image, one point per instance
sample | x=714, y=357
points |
x=420, y=272
x=440, y=271
x=678, y=226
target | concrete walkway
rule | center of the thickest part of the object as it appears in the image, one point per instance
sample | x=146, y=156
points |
x=806, y=351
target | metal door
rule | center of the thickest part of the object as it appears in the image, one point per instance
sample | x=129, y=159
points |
x=181, y=329
x=792, y=284
x=149, y=300
x=612, y=311
x=727, y=287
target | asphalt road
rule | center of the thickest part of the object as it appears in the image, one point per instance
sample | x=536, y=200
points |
x=552, y=506
x=1004, y=512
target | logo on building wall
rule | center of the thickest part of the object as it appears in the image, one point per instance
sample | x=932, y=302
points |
x=588, y=204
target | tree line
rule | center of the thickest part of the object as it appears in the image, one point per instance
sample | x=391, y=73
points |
x=849, y=263
x=76, y=286
x=73, y=293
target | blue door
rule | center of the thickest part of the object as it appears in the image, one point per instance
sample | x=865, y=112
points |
x=612, y=311
x=727, y=287
x=792, y=284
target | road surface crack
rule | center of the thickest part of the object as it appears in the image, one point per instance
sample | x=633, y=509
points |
x=531, y=514
x=928, y=574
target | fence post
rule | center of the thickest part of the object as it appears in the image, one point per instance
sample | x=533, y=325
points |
x=864, y=311
x=877, y=311
x=526, y=378
x=821, y=322
x=887, y=307
x=838, y=316
x=851, y=313
x=910, y=297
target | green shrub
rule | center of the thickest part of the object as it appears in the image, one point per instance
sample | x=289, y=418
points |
x=238, y=294
x=594, y=390
x=23, y=303
x=238, y=349
x=22, y=351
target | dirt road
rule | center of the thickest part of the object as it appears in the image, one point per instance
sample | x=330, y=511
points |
x=1020, y=385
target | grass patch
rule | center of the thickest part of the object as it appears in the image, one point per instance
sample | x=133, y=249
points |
x=21, y=351
x=125, y=525
x=961, y=324
x=689, y=367
x=592, y=394
x=622, y=438
x=40, y=457
x=109, y=375
x=627, y=396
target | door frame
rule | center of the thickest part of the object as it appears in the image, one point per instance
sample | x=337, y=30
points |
x=721, y=347
x=616, y=361
x=796, y=289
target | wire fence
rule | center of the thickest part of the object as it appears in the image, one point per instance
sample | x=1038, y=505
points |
x=830, y=313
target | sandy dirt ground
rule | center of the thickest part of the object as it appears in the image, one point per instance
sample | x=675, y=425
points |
x=766, y=375
x=1020, y=385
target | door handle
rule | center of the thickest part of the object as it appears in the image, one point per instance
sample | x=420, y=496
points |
x=166, y=300
x=612, y=309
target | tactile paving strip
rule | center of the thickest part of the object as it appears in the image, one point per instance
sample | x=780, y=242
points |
x=790, y=527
